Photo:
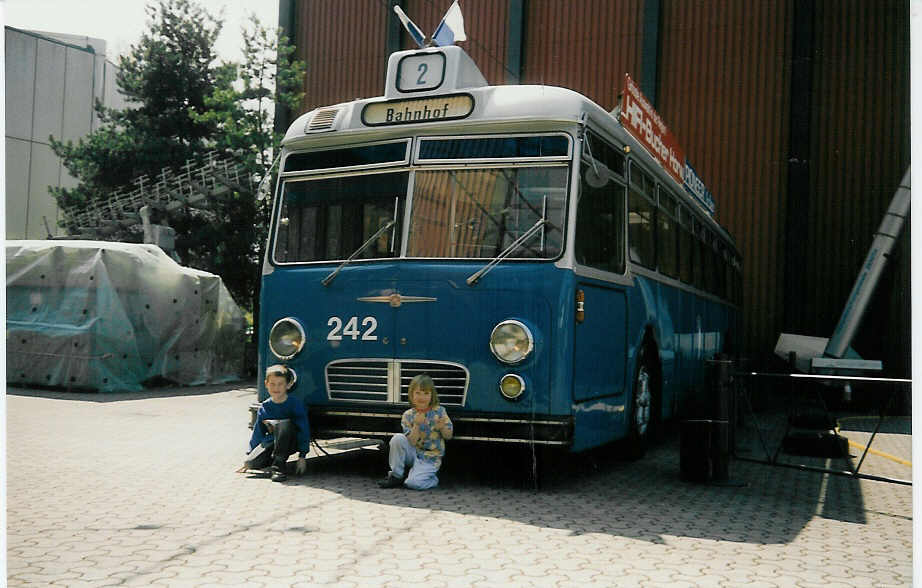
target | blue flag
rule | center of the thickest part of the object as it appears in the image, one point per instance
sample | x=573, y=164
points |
x=451, y=29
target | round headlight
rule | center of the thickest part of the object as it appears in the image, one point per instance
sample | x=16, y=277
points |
x=511, y=341
x=511, y=386
x=286, y=338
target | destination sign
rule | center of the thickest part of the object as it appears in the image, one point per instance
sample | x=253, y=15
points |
x=416, y=110
x=642, y=121
x=696, y=188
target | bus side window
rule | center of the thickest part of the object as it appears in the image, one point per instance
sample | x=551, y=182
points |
x=710, y=249
x=642, y=220
x=687, y=250
x=599, y=225
x=720, y=271
x=707, y=253
x=736, y=283
x=728, y=277
x=668, y=236
x=702, y=260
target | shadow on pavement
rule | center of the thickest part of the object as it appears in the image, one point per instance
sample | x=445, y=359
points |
x=597, y=492
x=168, y=391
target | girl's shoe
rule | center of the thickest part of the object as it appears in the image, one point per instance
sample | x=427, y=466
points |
x=391, y=481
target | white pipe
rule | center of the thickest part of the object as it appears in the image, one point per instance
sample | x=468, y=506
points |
x=871, y=269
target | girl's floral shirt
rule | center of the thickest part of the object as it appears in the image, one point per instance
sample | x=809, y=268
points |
x=431, y=445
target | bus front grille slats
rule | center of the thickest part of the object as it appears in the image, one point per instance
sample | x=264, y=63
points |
x=374, y=380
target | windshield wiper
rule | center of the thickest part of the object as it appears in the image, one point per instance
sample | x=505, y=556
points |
x=326, y=281
x=507, y=251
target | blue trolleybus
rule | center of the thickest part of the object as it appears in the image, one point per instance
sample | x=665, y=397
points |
x=551, y=272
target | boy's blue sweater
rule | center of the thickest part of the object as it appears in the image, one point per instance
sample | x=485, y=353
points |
x=293, y=409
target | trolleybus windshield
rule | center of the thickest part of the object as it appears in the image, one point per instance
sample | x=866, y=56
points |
x=470, y=212
x=330, y=218
x=476, y=214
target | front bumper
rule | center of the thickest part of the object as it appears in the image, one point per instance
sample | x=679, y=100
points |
x=330, y=422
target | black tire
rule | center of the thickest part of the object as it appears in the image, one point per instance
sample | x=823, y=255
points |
x=643, y=410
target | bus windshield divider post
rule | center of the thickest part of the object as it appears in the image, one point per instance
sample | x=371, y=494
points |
x=539, y=224
x=394, y=224
x=541, y=248
x=326, y=281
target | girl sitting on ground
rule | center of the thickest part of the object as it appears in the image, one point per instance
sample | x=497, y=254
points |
x=416, y=454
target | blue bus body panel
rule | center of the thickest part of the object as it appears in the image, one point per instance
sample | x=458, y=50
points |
x=455, y=327
x=606, y=345
x=583, y=370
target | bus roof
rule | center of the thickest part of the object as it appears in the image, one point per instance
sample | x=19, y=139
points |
x=453, y=96
x=489, y=104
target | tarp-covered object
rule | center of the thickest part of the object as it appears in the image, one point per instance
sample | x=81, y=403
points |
x=111, y=316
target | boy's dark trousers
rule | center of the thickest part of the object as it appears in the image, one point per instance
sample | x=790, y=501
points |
x=286, y=442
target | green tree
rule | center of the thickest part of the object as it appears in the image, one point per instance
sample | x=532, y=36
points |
x=242, y=110
x=183, y=104
x=169, y=73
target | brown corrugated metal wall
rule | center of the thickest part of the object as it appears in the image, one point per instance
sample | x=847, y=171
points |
x=571, y=44
x=344, y=44
x=724, y=86
x=723, y=91
x=859, y=150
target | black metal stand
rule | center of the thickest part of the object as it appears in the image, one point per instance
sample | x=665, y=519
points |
x=771, y=457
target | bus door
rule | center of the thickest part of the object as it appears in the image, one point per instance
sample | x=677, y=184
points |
x=600, y=337
x=600, y=344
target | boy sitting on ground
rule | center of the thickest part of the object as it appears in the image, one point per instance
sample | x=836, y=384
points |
x=281, y=428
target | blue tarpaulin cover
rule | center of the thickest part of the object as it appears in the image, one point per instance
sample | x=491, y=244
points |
x=112, y=316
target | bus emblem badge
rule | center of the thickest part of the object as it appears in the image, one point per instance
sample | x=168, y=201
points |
x=395, y=300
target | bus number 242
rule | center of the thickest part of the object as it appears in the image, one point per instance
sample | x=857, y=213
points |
x=351, y=328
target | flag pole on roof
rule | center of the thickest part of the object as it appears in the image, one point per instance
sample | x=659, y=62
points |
x=449, y=31
x=411, y=27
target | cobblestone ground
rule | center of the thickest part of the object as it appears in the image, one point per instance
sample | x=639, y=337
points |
x=142, y=490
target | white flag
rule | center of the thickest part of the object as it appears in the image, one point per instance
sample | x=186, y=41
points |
x=411, y=27
x=451, y=29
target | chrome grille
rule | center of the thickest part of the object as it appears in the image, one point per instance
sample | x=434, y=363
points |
x=383, y=380
x=358, y=380
x=450, y=380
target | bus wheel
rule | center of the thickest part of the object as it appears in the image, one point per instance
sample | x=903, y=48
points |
x=642, y=400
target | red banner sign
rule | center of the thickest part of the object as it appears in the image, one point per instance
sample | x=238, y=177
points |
x=640, y=119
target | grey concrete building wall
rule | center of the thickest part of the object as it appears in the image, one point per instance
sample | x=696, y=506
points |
x=52, y=82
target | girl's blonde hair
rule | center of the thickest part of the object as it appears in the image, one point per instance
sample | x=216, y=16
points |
x=423, y=382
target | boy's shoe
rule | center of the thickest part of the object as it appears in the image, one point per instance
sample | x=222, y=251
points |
x=391, y=481
x=278, y=473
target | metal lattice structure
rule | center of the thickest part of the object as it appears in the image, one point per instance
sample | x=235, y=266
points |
x=197, y=187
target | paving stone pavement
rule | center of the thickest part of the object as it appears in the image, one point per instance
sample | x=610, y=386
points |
x=141, y=490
